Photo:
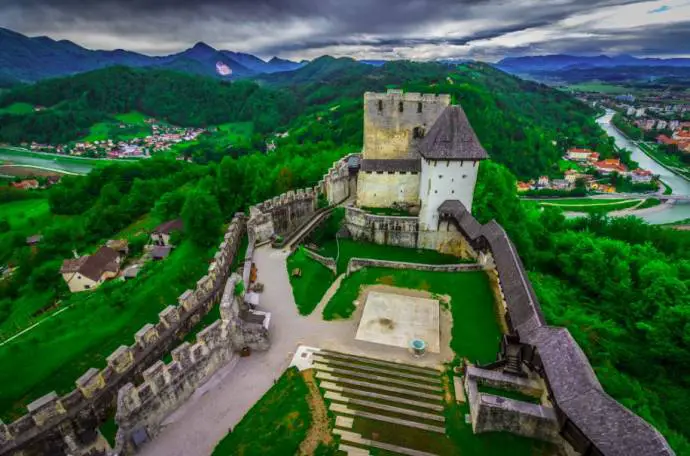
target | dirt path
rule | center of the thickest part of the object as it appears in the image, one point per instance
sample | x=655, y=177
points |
x=320, y=430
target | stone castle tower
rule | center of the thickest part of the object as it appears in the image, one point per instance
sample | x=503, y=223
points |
x=419, y=151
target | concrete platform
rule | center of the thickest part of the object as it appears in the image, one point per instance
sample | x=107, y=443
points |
x=396, y=319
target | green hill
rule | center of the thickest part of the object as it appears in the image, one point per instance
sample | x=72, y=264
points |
x=80, y=101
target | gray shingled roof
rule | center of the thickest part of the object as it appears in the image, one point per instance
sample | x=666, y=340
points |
x=393, y=165
x=612, y=428
x=452, y=138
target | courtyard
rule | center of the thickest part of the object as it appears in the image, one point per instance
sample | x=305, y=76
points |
x=467, y=328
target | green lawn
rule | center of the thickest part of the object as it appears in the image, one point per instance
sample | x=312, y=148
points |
x=475, y=333
x=25, y=218
x=670, y=161
x=309, y=288
x=564, y=165
x=349, y=248
x=63, y=348
x=600, y=87
x=17, y=109
x=276, y=425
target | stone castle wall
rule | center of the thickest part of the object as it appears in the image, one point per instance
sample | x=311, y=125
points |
x=68, y=423
x=355, y=264
x=283, y=214
x=142, y=408
x=405, y=232
x=390, y=120
x=326, y=261
x=385, y=189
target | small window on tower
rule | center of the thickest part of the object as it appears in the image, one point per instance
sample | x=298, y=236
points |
x=419, y=107
x=380, y=105
x=400, y=106
x=418, y=132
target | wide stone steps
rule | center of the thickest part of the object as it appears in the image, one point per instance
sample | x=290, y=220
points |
x=375, y=370
x=333, y=396
x=343, y=409
x=381, y=363
x=367, y=394
x=352, y=438
x=377, y=378
x=376, y=386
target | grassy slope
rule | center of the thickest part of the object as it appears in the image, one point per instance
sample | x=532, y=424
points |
x=63, y=348
x=475, y=333
x=594, y=208
x=276, y=425
x=353, y=249
x=17, y=109
x=313, y=283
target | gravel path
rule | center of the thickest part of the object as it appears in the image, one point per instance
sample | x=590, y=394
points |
x=196, y=427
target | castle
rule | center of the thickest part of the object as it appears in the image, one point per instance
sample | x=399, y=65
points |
x=419, y=151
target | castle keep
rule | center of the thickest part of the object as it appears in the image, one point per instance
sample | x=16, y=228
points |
x=419, y=151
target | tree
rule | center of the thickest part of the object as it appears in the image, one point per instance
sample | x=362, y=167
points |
x=202, y=218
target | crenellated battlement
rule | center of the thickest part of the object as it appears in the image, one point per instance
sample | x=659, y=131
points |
x=166, y=386
x=399, y=95
x=49, y=416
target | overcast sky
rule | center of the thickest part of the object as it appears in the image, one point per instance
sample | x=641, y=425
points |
x=374, y=29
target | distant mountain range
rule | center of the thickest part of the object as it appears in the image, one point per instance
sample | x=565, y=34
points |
x=31, y=59
x=562, y=62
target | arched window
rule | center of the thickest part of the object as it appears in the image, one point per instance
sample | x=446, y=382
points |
x=380, y=105
x=419, y=107
x=418, y=132
x=400, y=106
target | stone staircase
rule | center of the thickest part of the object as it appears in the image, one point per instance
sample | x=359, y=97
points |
x=377, y=401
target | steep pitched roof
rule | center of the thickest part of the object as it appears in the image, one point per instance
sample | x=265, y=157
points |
x=452, y=138
x=169, y=226
x=105, y=259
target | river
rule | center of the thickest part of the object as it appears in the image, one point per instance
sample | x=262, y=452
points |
x=50, y=161
x=680, y=186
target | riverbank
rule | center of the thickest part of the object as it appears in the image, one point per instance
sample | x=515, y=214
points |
x=645, y=150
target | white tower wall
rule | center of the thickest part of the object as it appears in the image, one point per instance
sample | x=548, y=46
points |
x=445, y=180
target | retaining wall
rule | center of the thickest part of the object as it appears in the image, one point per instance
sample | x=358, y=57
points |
x=326, y=261
x=355, y=264
x=57, y=424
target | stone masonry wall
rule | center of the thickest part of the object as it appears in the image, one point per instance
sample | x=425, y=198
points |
x=60, y=424
x=492, y=413
x=285, y=213
x=381, y=229
x=142, y=408
x=355, y=264
x=390, y=120
x=326, y=261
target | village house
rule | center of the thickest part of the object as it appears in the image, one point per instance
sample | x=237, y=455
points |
x=571, y=176
x=610, y=165
x=582, y=155
x=543, y=181
x=641, y=176
x=665, y=140
x=523, y=187
x=27, y=184
x=90, y=271
x=161, y=234
x=121, y=246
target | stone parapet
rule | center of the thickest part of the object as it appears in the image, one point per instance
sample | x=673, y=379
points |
x=326, y=261
x=52, y=419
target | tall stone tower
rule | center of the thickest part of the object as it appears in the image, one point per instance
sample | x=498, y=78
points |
x=394, y=124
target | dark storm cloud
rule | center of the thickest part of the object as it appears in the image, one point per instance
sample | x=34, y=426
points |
x=272, y=27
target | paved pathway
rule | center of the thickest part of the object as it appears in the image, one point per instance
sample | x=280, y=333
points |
x=196, y=427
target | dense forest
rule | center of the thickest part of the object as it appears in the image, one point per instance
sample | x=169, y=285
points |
x=620, y=286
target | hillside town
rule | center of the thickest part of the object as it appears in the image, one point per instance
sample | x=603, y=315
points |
x=162, y=138
x=586, y=169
